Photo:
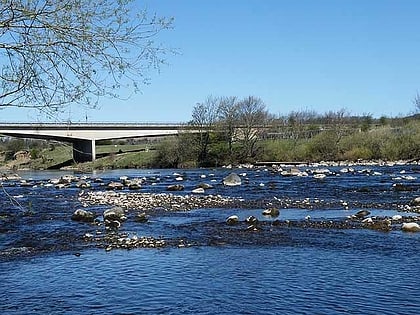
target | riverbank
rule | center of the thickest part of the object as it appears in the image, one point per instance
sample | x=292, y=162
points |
x=136, y=157
x=60, y=157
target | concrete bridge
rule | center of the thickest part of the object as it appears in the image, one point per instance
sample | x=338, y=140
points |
x=84, y=135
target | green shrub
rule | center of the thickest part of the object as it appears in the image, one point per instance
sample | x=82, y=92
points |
x=35, y=153
x=324, y=146
x=356, y=153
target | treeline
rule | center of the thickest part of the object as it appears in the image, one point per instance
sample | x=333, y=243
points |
x=233, y=130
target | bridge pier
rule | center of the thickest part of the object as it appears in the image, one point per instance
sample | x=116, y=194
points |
x=84, y=150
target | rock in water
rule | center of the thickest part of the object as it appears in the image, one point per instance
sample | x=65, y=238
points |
x=415, y=202
x=83, y=184
x=198, y=191
x=204, y=186
x=115, y=213
x=233, y=219
x=175, y=188
x=115, y=186
x=273, y=212
x=410, y=227
x=141, y=218
x=83, y=216
x=251, y=220
x=361, y=214
x=232, y=180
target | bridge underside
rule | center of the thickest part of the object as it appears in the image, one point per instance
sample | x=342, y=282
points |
x=84, y=151
x=83, y=137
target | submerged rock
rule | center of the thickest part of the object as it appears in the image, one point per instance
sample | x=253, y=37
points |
x=232, y=180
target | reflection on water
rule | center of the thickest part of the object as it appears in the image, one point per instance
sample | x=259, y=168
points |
x=285, y=270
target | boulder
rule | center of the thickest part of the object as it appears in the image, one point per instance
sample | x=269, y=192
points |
x=291, y=172
x=115, y=214
x=361, y=214
x=198, y=191
x=83, y=216
x=402, y=187
x=115, y=186
x=67, y=179
x=124, y=179
x=83, y=184
x=233, y=219
x=320, y=176
x=141, y=218
x=397, y=217
x=273, y=212
x=415, y=202
x=134, y=184
x=232, y=180
x=251, y=220
x=204, y=186
x=175, y=187
x=10, y=177
x=410, y=227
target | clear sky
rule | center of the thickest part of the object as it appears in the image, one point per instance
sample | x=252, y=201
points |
x=361, y=55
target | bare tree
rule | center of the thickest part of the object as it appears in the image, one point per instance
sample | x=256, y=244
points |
x=253, y=118
x=228, y=118
x=300, y=123
x=336, y=122
x=204, y=116
x=416, y=102
x=55, y=53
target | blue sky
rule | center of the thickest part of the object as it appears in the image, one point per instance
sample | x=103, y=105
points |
x=320, y=55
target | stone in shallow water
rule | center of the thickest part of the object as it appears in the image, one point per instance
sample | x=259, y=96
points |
x=83, y=216
x=175, y=188
x=361, y=214
x=232, y=180
x=233, y=219
x=115, y=213
x=198, y=190
x=410, y=227
x=415, y=202
x=141, y=218
x=83, y=184
x=204, y=186
x=273, y=212
x=115, y=186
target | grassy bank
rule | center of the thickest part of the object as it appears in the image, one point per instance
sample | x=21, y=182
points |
x=108, y=157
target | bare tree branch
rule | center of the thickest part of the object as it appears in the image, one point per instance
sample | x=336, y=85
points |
x=55, y=53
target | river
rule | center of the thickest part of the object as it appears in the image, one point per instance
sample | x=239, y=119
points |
x=311, y=259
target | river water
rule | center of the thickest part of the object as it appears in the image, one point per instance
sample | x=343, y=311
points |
x=46, y=267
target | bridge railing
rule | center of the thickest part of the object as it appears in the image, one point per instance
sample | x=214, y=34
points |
x=93, y=123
